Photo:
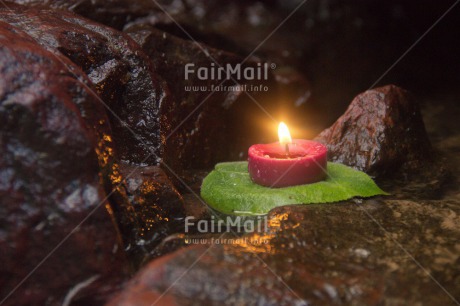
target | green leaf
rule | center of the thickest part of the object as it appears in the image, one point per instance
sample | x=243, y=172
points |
x=229, y=189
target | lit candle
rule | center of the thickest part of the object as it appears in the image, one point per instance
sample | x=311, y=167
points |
x=287, y=162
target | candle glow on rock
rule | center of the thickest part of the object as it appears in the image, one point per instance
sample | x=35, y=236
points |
x=283, y=134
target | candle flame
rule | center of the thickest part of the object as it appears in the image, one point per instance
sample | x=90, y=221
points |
x=283, y=134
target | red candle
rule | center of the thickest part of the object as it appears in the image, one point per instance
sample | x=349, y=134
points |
x=287, y=162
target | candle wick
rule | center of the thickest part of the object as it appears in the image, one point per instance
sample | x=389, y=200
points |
x=287, y=149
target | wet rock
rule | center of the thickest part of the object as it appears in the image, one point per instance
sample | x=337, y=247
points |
x=304, y=262
x=132, y=93
x=224, y=26
x=158, y=205
x=189, y=32
x=206, y=21
x=381, y=132
x=53, y=212
x=93, y=110
x=129, y=91
x=115, y=13
x=208, y=123
x=326, y=41
x=294, y=93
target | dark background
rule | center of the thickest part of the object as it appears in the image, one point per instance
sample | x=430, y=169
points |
x=341, y=47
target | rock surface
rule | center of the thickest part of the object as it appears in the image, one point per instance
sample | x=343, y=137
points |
x=115, y=13
x=111, y=87
x=131, y=92
x=381, y=132
x=158, y=206
x=333, y=254
x=352, y=253
x=49, y=182
x=207, y=126
x=375, y=248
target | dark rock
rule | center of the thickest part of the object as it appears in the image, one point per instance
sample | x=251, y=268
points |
x=225, y=25
x=132, y=93
x=128, y=91
x=196, y=207
x=326, y=41
x=206, y=127
x=159, y=207
x=92, y=110
x=381, y=132
x=304, y=262
x=189, y=32
x=114, y=13
x=53, y=218
x=180, y=51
